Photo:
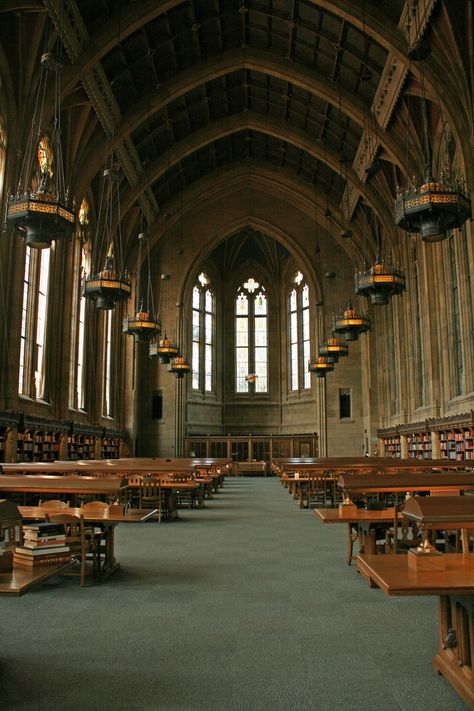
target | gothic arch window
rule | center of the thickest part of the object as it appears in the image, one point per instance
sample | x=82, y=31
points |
x=33, y=328
x=299, y=333
x=78, y=332
x=203, y=328
x=251, y=338
x=108, y=381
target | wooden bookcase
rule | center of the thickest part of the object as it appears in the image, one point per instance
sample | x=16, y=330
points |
x=110, y=447
x=81, y=446
x=419, y=445
x=392, y=446
x=457, y=443
x=38, y=445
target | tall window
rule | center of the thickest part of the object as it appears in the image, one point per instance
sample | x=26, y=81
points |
x=420, y=384
x=458, y=365
x=77, y=389
x=251, y=338
x=33, y=329
x=203, y=335
x=108, y=321
x=299, y=334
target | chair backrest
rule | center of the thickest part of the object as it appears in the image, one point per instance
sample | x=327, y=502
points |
x=150, y=492
x=55, y=504
x=73, y=526
x=94, y=506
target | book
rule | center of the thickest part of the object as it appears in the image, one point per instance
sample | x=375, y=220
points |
x=43, y=529
x=41, y=551
x=44, y=539
x=57, y=560
x=44, y=545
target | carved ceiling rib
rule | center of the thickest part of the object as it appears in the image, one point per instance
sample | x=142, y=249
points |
x=386, y=97
x=260, y=61
x=74, y=35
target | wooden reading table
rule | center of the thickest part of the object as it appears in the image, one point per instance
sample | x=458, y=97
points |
x=361, y=525
x=112, y=487
x=455, y=588
x=103, y=518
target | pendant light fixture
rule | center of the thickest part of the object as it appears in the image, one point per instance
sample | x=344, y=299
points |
x=383, y=279
x=163, y=348
x=112, y=283
x=334, y=348
x=40, y=209
x=320, y=365
x=350, y=324
x=431, y=206
x=145, y=324
x=179, y=366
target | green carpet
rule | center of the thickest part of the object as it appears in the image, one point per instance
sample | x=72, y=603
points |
x=246, y=605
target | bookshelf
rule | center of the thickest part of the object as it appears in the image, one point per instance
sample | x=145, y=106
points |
x=392, y=446
x=457, y=443
x=3, y=443
x=38, y=445
x=419, y=445
x=110, y=447
x=81, y=446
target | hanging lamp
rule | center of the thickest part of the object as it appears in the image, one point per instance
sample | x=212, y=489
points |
x=112, y=283
x=145, y=325
x=432, y=206
x=40, y=209
x=320, y=365
x=334, y=348
x=163, y=349
x=380, y=282
x=179, y=366
x=351, y=323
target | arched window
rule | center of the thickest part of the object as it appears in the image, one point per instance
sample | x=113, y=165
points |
x=107, y=369
x=203, y=335
x=251, y=338
x=33, y=329
x=78, y=352
x=298, y=303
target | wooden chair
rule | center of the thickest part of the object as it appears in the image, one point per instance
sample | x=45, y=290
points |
x=81, y=541
x=152, y=496
x=315, y=491
x=184, y=497
x=55, y=504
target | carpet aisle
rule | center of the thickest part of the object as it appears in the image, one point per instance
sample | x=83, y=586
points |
x=244, y=606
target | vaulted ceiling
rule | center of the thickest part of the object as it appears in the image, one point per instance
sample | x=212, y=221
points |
x=184, y=90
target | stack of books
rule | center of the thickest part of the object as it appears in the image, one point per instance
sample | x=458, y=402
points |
x=44, y=544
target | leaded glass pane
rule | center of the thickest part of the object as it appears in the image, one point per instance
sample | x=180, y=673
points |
x=242, y=305
x=209, y=301
x=305, y=296
x=294, y=366
x=208, y=368
x=261, y=331
x=307, y=374
x=208, y=327
x=294, y=327
x=195, y=366
x=260, y=305
x=293, y=300
x=196, y=298
x=196, y=329
x=305, y=315
x=241, y=369
x=242, y=332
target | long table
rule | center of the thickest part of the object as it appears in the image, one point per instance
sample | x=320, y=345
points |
x=361, y=525
x=112, y=487
x=21, y=580
x=406, y=482
x=455, y=588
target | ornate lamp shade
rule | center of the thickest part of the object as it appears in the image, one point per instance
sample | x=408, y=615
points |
x=179, y=367
x=106, y=287
x=41, y=218
x=320, y=366
x=380, y=282
x=142, y=326
x=164, y=350
x=334, y=348
x=432, y=209
x=251, y=378
x=40, y=209
x=351, y=323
